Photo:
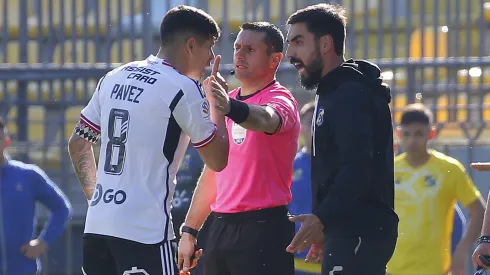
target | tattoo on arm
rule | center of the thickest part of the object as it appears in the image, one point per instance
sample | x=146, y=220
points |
x=83, y=160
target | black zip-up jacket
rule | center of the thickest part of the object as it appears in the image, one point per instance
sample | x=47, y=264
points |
x=352, y=160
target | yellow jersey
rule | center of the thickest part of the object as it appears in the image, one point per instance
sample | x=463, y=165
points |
x=424, y=201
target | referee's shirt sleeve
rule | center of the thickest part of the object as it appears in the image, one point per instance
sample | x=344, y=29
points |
x=352, y=126
x=89, y=125
x=192, y=112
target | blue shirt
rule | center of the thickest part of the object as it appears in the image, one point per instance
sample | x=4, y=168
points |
x=21, y=186
x=301, y=189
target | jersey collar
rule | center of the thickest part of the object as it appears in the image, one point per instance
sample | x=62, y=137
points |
x=155, y=60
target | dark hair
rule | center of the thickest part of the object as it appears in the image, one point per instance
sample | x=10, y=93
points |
x=187, y=20
x=2, y=124
x=323, y=19
x=307, y=108
x=274, y=38
x=416, y=113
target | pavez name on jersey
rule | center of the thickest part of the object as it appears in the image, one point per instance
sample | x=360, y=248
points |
x=144, y=114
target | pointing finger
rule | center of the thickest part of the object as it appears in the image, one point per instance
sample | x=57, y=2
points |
x=215, y=69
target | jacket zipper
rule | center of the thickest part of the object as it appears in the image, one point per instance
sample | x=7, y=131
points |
x=2, y=233
x=313, y=124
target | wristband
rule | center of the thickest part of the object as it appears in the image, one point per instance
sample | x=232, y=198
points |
x=238, y=111
x=190, y=230
x=483, y=239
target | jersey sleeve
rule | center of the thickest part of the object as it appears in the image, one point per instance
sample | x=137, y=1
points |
x=286, y=108
x=192, y=112
x=89, y=125
x=466, y=191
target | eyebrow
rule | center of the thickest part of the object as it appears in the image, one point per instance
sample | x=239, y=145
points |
x=295, y=38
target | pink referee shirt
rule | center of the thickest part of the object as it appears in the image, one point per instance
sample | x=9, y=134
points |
x=260, y=165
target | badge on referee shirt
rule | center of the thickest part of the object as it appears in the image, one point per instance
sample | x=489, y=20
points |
x=238, y=133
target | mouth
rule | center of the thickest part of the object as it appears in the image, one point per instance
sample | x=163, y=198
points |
x=298, y=65
x=240, y=67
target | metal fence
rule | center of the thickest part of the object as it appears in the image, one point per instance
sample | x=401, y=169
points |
x=54, y=51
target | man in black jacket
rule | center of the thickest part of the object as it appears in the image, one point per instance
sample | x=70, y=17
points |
x=353, y=223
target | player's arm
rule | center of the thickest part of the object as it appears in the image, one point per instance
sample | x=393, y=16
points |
x=486, y=221
x=83, y=161
x=204, y=196
x=352, y=128
x=468, y=194
x=205, y=126
x=476, y=211
x=86, y=133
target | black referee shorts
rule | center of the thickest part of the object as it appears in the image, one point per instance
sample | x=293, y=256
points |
x=356, y=255
x=103, y=255
x=249, y=243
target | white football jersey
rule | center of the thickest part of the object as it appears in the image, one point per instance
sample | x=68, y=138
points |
x=144, y=114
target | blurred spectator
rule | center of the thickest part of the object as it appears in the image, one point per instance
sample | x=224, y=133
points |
x=427, y=185
x=21, y=186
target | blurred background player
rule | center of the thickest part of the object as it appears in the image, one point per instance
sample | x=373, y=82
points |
x=21, y=187
x=352, y=148
x=301, y=186
x=128, y=225
x=250, y=229
x=427, y=186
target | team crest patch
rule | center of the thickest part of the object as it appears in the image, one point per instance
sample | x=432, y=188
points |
x=238, y=133
x=430, y=181
x=319, y=117
x=205, y=109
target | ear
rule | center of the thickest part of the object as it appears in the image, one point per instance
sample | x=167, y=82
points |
x=7, y=142
x=190, y=44
x=398, y=131
x=326, y=44
x=276, y=59
x=432, y=132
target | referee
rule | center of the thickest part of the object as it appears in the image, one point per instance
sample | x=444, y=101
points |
x=352, y=149
x=249, y=229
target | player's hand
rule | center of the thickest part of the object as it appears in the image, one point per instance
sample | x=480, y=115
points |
x=187, y=249
x=316, y=253
x=480, y=166
x=459, y=262
x=481, y=249
x=34, y=249
x=311, y=231
x=215, y=72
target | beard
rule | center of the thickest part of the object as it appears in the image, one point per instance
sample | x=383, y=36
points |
x=313, y=69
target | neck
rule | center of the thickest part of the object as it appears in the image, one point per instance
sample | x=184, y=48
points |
x=169, y=54
x=418, y=158
x=251, y=86
x=331, y=64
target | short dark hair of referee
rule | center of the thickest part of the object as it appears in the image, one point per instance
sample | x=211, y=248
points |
x=352, y=148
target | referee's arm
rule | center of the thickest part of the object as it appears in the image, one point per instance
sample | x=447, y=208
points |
x=352, y=127
x=262, y=119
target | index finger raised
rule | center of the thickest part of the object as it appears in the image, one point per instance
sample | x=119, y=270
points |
x=215, y=69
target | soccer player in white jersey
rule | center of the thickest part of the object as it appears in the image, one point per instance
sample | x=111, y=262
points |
x=144, y=113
